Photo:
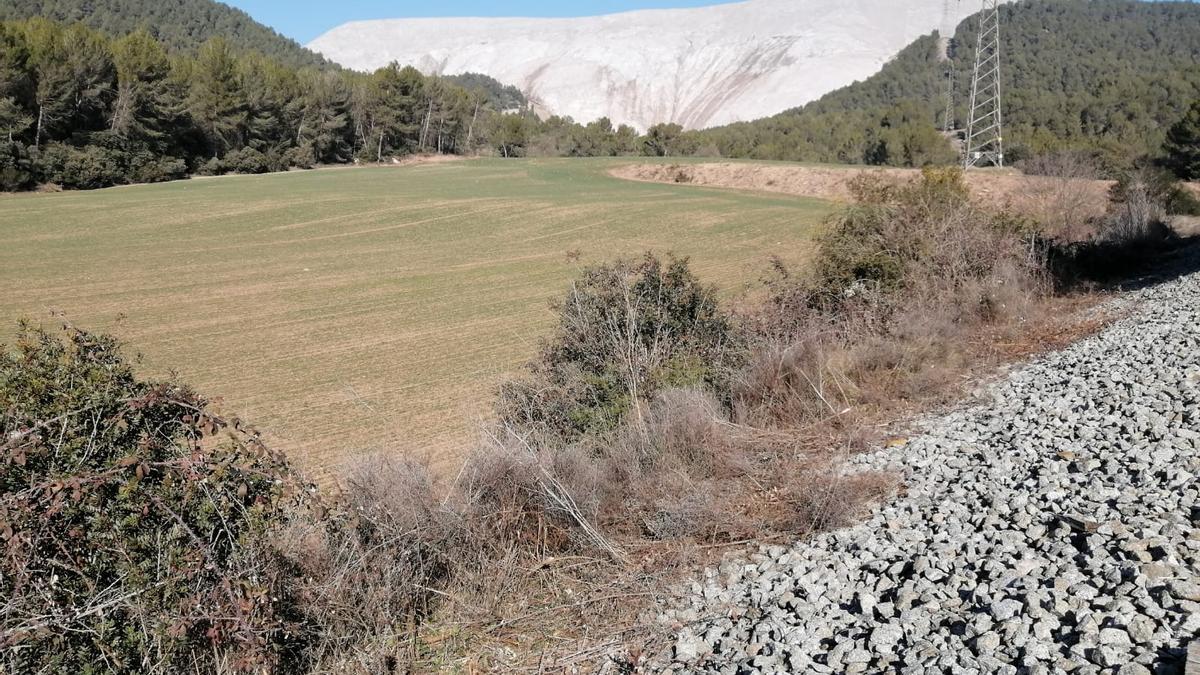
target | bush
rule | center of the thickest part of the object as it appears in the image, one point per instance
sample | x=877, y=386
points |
x=143, y=533
x=247, y=160
x=86, y=168
x=921, y=244
x=899, y=278
x=146, y=167
x=368, y=576
x=126, y=520
x=301, y=157
x=1139, y=204
x=244, y=161
x=17, y=171
x=625, y=332
x=104, y=161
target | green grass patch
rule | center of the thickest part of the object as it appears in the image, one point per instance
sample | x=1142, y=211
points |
x=352, y=310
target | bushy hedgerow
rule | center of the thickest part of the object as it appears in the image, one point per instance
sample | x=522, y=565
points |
x=105, y=161
x=252, y=161
x=127, y=521
x=85, y=168
x=904, y=243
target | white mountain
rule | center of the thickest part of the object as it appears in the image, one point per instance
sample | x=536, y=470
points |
x=698, y=67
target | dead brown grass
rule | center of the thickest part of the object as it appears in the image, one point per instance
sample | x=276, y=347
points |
x=582, y=536
x=1008, y=188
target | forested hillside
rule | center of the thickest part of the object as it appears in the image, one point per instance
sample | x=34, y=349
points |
x=504, y=96
x=181, y=25
x=1105, y=75
x=85, y=108
x=81, y=109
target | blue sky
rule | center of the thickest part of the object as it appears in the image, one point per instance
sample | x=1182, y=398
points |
x=304, y=20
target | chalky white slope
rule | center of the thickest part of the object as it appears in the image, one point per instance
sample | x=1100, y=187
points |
x=698, y=67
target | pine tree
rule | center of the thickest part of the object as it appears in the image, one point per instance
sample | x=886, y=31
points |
x=52, y=77
x=1183, y=145
x=14, y=85
x=147, y=103
x=13, y=120
x=386, y=111
x=216, y=101
x=325, y=120
x=93, y=78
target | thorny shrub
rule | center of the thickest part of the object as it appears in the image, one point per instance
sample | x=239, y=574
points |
x=142, y=532
x=125, y=520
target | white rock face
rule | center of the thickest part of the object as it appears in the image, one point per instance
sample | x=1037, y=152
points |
x=698, y=67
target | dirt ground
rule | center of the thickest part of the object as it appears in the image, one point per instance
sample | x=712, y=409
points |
x=1001, y=187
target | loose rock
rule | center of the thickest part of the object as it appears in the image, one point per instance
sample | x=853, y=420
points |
x=1055, y=527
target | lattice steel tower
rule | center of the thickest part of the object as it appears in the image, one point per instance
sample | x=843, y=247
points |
x=984, y=144
x=948, y=116
x=948, y=46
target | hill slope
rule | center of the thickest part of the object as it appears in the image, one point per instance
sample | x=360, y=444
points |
x=1101, y=74
x=697, y=67
x=181, y=24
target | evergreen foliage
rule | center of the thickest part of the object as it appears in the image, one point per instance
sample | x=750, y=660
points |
x=1107, y=76
x=1183, y=145
x=181, y=25
x=84, y=110
x=626, y=331
x=504, y=96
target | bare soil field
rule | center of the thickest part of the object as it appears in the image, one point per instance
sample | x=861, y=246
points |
x=1000, y=187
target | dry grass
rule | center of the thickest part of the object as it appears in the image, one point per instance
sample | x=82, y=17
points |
x=540, y=555
x=1006, y=188
x=353, y=311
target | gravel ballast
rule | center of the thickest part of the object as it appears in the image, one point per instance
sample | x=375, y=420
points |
x=1052, y=528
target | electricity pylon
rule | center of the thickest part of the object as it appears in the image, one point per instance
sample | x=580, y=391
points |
x=948, y=121
x=984, y=143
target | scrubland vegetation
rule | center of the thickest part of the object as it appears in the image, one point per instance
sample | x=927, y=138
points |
x=144, y=532
x=661, y=418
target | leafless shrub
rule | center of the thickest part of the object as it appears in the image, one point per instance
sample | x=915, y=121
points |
x=690, y=426
x=793, y=385
x=1061, y=196
x=1137, y=212
x=900, y=278
x=375, y=571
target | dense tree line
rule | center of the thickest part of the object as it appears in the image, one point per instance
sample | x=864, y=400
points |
x=181, y=25
x=1108, y=76
x=83, y=110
